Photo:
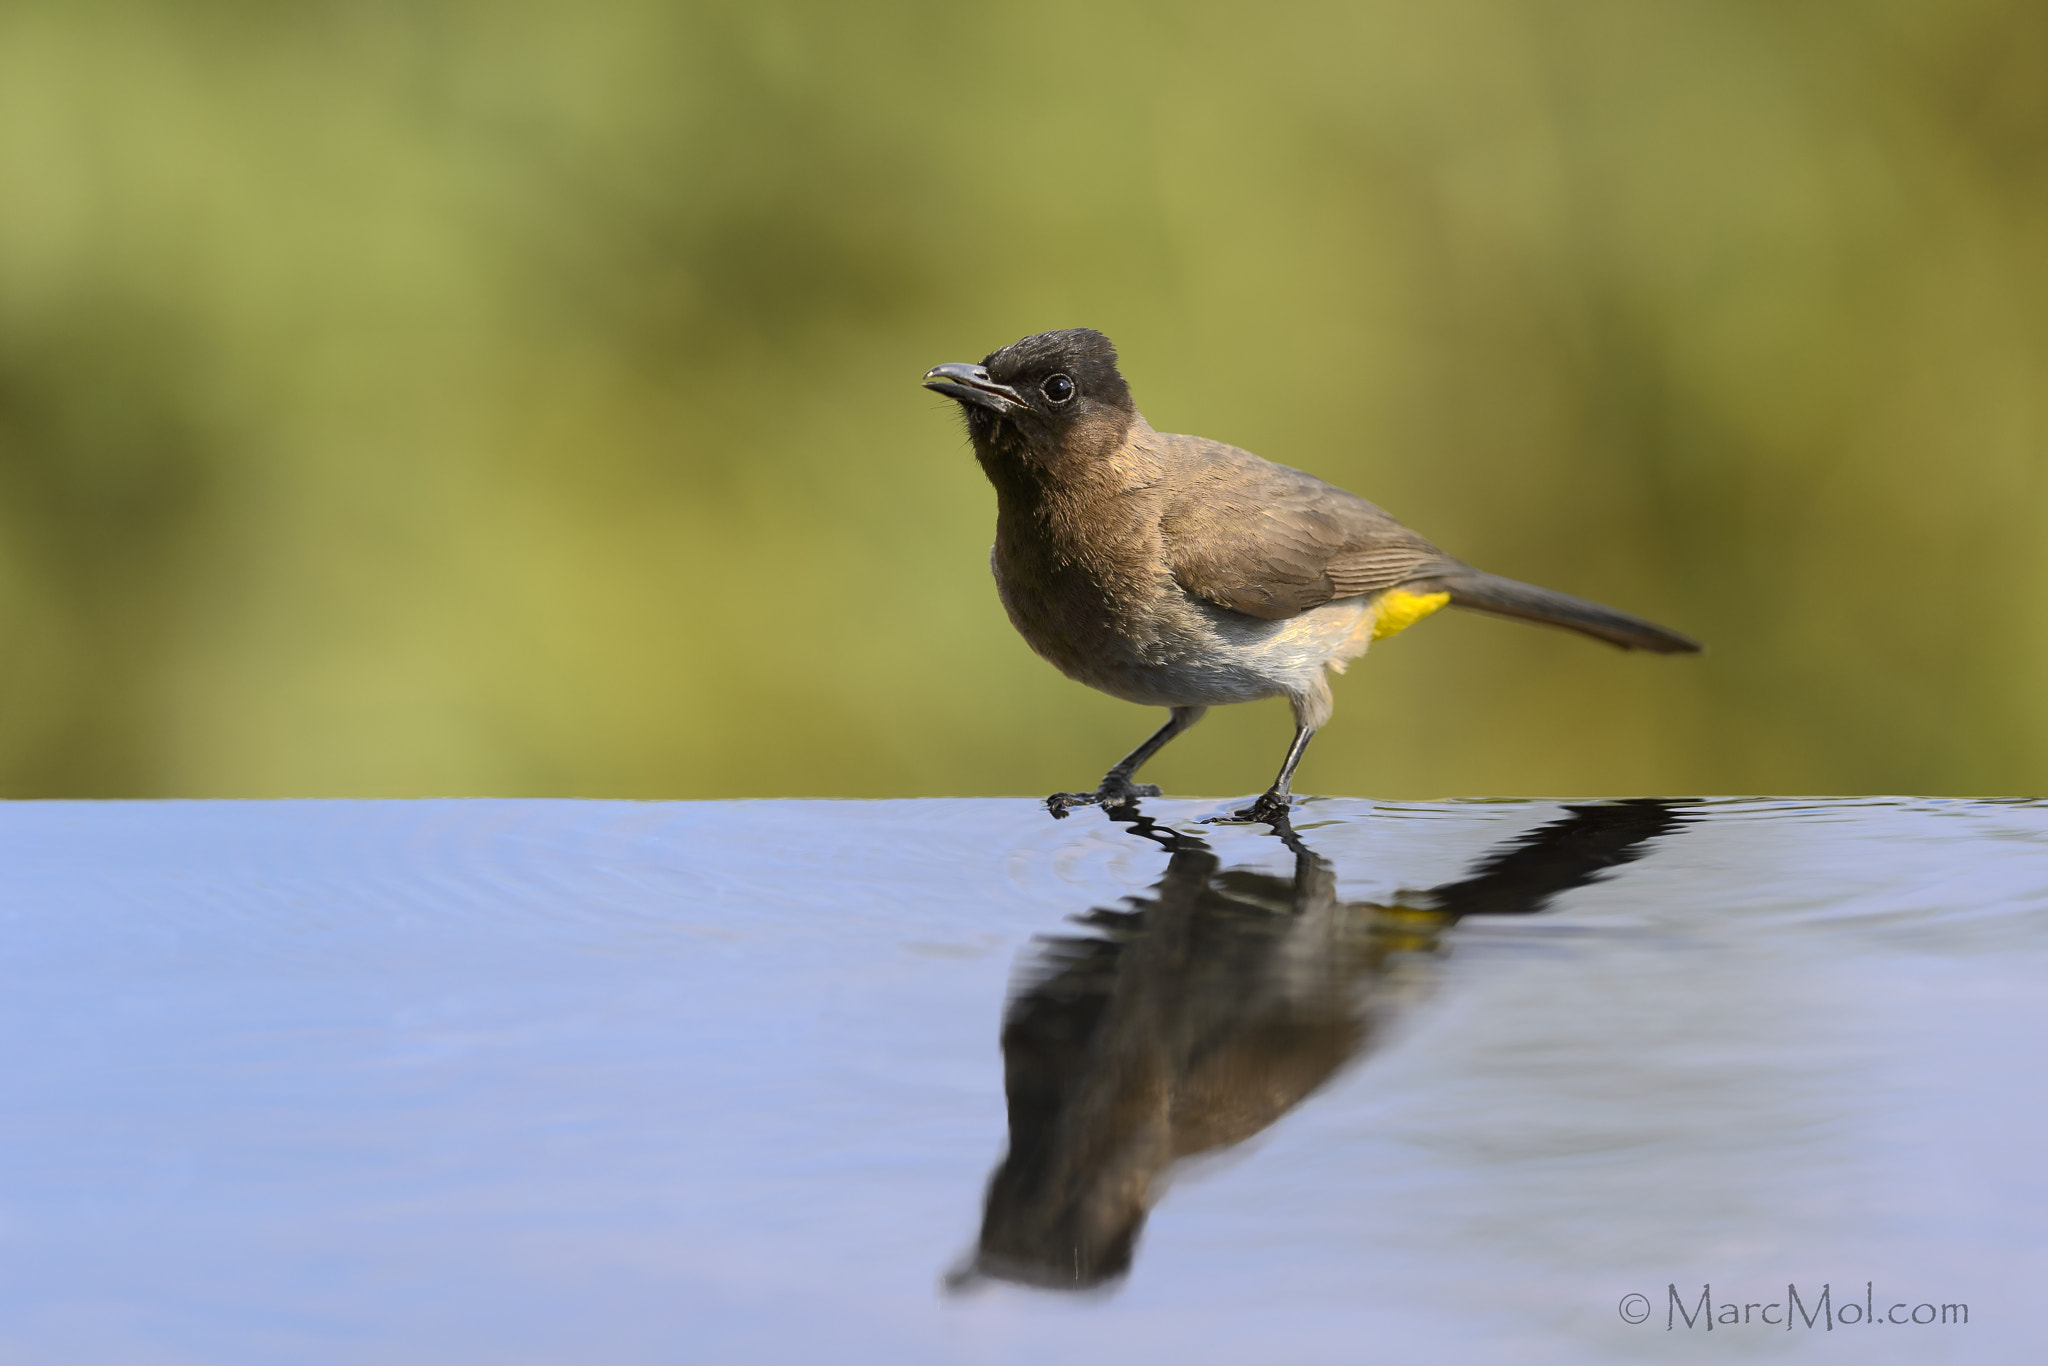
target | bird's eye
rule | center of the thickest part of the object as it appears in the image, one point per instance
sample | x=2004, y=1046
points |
x=1058, y=389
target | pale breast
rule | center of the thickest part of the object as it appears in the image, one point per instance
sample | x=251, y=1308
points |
x=1174, y=650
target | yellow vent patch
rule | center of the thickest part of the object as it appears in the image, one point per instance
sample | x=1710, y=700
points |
x=1397, y=611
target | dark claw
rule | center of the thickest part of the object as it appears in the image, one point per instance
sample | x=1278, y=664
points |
x=1270, y=809
x=1115, y=794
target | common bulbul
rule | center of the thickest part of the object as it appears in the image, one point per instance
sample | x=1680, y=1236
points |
x=1179, y=572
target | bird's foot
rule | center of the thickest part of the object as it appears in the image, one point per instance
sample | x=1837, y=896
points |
x=1270, y=809
x=1116, y=792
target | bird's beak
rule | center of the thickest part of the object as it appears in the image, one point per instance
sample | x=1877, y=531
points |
x=970, y=384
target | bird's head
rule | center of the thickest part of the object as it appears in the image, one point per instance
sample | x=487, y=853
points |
x=1044, y=399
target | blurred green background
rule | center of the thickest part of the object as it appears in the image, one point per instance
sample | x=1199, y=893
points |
x=521, y=398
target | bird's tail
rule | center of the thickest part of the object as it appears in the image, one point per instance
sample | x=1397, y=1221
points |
x=1506, y=598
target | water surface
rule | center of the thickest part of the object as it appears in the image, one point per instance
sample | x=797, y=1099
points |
x=548, y=1081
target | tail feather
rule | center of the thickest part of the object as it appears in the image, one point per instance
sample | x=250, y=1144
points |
x=1507, y=598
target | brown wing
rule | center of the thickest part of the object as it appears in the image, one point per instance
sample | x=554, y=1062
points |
x=1272, y=542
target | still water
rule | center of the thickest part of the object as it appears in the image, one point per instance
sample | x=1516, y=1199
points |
x=950, y=1081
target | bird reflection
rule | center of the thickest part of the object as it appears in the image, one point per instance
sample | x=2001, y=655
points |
x=1196, y=1017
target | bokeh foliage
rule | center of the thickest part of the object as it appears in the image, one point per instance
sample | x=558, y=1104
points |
x=520, y=397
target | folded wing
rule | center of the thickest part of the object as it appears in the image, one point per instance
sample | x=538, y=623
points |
x=1273, y=542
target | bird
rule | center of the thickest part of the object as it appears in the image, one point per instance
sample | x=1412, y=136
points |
x=1181, y=572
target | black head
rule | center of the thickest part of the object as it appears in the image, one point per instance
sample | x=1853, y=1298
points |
x=1040, y=392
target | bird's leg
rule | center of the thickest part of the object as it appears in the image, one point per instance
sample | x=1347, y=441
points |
x=1273, y=806
x=1117, y=788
